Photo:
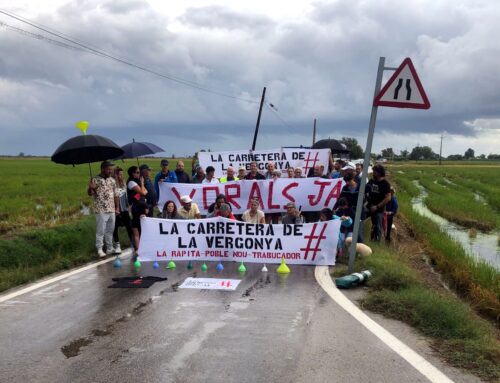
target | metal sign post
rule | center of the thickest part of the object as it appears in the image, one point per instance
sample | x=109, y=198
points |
x=394, y=95
x=366, y=161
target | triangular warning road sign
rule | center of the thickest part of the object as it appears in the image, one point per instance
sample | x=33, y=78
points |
x=403, y=90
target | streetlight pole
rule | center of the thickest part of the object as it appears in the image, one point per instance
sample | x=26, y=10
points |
x=258, y=118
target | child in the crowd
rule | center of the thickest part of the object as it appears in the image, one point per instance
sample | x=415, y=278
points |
x=391, y=210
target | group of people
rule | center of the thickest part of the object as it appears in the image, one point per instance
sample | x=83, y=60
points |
x=122, y=203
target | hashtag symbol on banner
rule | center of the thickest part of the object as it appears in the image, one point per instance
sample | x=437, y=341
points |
x=310, y=238
x=310, y=160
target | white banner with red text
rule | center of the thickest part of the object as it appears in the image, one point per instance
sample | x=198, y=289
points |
x=283, y=158
x=309, y=194
x=221, y=239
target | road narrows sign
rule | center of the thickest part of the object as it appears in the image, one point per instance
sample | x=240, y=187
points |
x=404, y=89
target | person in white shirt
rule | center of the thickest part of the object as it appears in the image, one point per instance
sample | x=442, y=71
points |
x=209, y=178
x=253, y=215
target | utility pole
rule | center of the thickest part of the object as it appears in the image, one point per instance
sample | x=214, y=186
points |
x=314, y=132
x=440, y=148
x=258, y=118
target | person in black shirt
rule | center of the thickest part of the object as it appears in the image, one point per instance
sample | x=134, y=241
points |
x=182, y=176
x=378, y=195
x=151, y=197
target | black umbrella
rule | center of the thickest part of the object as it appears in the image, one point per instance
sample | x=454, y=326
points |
x=335, y=146
x=86, y=149
x=138, y=149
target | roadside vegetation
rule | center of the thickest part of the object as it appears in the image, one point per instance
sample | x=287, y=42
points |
x=420, y=277
x=45, y=225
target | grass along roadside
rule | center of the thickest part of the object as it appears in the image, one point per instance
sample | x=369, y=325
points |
x=43, y=251
x=403, y=288
x=476, y=281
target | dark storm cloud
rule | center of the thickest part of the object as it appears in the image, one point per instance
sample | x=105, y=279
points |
x=322, y=65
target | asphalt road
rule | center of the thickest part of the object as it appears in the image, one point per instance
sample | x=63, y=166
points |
x=271, y=329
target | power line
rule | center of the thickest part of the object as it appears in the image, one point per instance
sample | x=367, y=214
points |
x=101, y=53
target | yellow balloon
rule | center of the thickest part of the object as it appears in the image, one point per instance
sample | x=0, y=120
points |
x=82, y=125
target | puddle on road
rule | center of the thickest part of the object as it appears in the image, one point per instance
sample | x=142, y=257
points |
x=73, y=349
x=482, y=247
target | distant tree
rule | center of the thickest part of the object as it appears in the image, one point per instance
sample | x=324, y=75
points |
x=21, y=154
x=481, y=157
x=455, y=157
x=492, y=156
x=469, y=154
x=353, y=146
x=422, y=153
x=404, y=154
x=387, y=153
x=173, y=156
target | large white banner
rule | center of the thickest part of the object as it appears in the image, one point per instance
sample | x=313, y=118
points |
x=309, y=194
x=305, y=159
x=221, y=239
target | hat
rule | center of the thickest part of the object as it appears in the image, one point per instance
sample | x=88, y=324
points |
x=186, y=199
x=164, y=163
x=242, y=168
x=106, y=164
x=144, y=167
x=349, y=165
x=290, y=204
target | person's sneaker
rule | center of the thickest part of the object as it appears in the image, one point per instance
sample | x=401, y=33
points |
x=117, y=249
x=101, y=253
x=110, y=251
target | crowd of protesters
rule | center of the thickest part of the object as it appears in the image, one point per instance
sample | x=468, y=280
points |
x=122, y=203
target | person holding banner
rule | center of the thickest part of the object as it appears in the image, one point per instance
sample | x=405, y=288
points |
x=242, y=172
x=297, y=173
x=182, y=176
x=189, y=209
x=213, y=208
x=292, y=216
x=209, y=178
x=254, y=215
x=170, y=211
x=225, y=212
x=254, y=174
x=164, y=175
x=290, y=172
x=229, y=177
x=199, y=175
x=271, y=168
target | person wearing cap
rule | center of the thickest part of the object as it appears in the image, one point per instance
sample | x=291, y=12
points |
x=199, y=175
x=189, y=209
x=225, y=212
x=152, y=196
x=209, y=178
x=242, y=172
x=292, y=216
x=229, y=177
x=164, y=175
x=182, y=176
x=106, y=205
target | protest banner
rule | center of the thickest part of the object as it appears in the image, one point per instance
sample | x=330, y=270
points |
x=309, y=194
x=283, y=158
x=221, y=239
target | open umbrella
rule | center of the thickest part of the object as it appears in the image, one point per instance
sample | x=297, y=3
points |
x=138, y=149
x=86, y=148
x=335, y=146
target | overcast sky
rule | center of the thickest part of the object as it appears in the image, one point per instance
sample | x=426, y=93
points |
x=318, y=59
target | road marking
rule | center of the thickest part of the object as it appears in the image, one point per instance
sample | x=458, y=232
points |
x=418, y=362
x=36, y=286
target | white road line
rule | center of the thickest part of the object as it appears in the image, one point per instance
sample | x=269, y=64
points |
x=36, y=286
x=419, y=363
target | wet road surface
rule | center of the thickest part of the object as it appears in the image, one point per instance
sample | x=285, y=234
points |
x=271, y=329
